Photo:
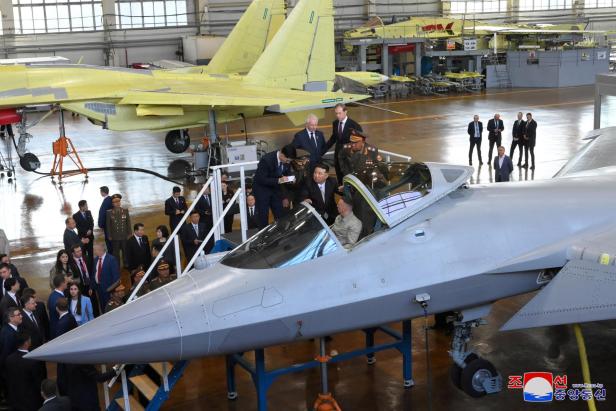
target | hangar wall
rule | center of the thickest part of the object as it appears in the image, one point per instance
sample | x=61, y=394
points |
x=122, y=47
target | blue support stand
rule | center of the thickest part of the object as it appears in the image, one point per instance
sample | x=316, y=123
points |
x=263, y=378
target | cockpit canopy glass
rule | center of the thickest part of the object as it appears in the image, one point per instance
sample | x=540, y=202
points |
x=396, y=186
x=297, y=237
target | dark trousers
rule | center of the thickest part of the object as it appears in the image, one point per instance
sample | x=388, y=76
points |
x=339, y=173
x=265, y=201
x=519, y=144
x=528, y=148
x=474, y=142
x=108, y=242
x=119, y=246
x=497, y=139
x=8, y=128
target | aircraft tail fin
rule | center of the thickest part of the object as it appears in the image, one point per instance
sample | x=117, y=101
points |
x=301, y=55
x=250, y=36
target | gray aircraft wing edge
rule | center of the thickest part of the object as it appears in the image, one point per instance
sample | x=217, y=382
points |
x=582, y=291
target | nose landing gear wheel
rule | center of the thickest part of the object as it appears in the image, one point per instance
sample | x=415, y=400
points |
x=455, y=372
x=474, y=375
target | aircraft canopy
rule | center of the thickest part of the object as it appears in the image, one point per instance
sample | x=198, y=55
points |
x=396, y=191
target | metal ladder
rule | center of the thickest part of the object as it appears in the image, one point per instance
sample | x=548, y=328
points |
x=503, y=80
x=148, y=385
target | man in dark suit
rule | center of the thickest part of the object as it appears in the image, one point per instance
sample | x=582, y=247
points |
x=341, y=133
x=8, y=344
x=474, y=130
x=252, y=216
x=102, y=214
x=10, y=298
x=25, y=377
x=311, y=140
x=5, y=274
x=59, y=283
x=5, y=258
x=138, y=249
x=530, y=138
x=204, y=207
x=175, y=207
x=83, y=382
x=85, y=229
x=105, y=271
x=31, y=323
x=70, y=236
x=495, y=132
x=273, y=170
x=502, y=166
x=320, y=190
x=66, y=321
x=52, y=401
x=517, y=132
x=40, y=311
x=193, y=234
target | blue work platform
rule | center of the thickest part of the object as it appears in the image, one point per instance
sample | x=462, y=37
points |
x=263, y=378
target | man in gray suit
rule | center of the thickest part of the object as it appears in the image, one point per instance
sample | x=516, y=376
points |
x=502, y=166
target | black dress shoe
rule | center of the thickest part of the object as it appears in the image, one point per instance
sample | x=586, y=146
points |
x=532, y=167
x=481, y=163
x=520, y=164
x=525, y=165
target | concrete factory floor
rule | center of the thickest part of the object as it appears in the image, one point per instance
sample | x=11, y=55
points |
x=429, y=129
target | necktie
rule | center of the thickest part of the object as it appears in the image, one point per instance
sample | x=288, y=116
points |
x=99, y=269
x=207, y=200
x=83, y=215
x=252, y=213
x=340, y=128
x=33, y=320
x=196, y=228
x=314, y=140
x=84, y=270
x=322, y=188
x=139, y=241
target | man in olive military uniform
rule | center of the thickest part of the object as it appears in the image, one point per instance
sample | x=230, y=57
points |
x=117, y=296
x=119, y=228
x=164, y=276
x=136, y=275
x=357, y=154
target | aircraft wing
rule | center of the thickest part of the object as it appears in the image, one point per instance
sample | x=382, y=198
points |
x=598, y=153
x=582, y=291
x=526, y=30
x=233, y=94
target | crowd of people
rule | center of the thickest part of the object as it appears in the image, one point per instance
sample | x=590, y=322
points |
x=86, y=278
x=523, y=137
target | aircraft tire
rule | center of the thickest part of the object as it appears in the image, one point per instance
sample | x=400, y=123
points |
x=472, y=375
x=29, y=162
x=176, y=142
x=455, y=372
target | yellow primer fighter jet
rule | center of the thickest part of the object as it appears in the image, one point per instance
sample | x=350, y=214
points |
x=292, y=76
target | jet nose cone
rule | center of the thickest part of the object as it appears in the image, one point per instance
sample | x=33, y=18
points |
x=144, y=330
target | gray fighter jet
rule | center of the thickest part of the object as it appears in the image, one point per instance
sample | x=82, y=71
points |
x=432, y=242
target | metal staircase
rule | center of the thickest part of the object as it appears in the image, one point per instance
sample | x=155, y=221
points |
x=501, y=71
x=148, y=386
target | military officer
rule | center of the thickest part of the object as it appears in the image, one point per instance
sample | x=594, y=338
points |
x=358, y=154
x=346, y=227
x=164, y=276
x=116, y=291
x=119, y=228
x=136, y=276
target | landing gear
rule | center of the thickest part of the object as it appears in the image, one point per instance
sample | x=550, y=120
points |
x=177, y=141
x=28, y=161
x=469, y=372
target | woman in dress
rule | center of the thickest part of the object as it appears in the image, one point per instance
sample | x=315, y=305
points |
x=80, y=305
x=62, y=266
x=162, y=235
